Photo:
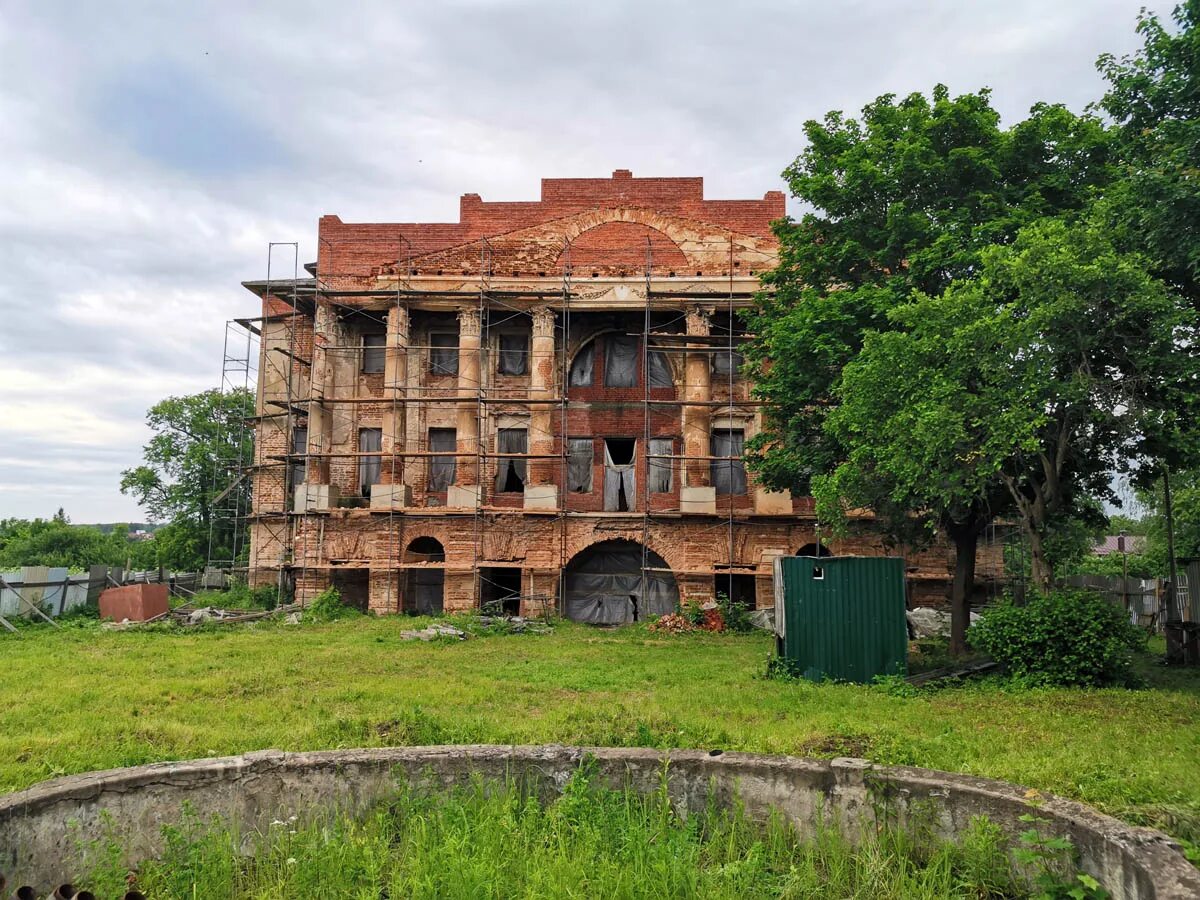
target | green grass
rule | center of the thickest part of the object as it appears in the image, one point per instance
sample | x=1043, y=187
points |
x=500, y=841
x=81, y=698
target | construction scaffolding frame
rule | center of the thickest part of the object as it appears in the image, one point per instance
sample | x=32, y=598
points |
x=282, y=357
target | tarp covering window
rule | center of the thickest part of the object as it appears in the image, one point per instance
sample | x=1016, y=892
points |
x=660, y=370
x=580, y=457
x=620, y=477
x=443, y=353
x=510, y=473
x=660, y=469
x=620, y=361
x=728, y=476
x=583, y=367
x=605, y=585
x=374, y=353
x=425, y=591
x=726, y=362
x=370, y=440
x=514, y=350
x=442, y=468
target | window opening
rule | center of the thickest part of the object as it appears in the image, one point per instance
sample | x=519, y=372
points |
x=583, y=367
x=443, y=353
x=514, y=351
x=442, y=469
x=510, y=472
x=620, y=361
x=581, y=456
x=374, y=353
x=620, y=480
x=660, y=471
x=370, y=440
x=728, y=475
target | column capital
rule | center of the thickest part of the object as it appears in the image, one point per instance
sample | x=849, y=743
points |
x=699, y=319
x=469, y=321
x=543, y=321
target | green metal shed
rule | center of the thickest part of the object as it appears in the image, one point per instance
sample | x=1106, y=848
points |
x=841, y=617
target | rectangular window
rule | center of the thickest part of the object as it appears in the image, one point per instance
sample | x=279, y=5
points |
x=374, y=353
x=510, y=472
x=442, y=469
x=370, y=440
x=295, y=469
x=660, y=470
x=620, y=477
x=581, y=456
x=728, y=475
x=443, y=353
x=514, y=353
x=726, y=362
x=620, y=361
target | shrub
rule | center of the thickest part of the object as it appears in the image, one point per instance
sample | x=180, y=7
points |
x=735, y=614
x=1066, y=637
x=327, y=606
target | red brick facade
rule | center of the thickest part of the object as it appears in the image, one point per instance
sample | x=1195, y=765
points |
x=640, y=276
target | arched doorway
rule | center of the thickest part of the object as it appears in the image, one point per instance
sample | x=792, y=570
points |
x=425, y=579
x=817, y=549
x=605, y=584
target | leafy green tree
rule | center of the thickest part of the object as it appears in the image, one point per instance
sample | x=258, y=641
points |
x=1154, y=97
x=56, y=542
x=189, y=463
x=904, y=201
x=1054, y=366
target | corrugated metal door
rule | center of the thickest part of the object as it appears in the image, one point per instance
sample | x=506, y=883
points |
x=844, y=616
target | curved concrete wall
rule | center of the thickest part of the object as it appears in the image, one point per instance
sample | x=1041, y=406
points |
x=41, y=828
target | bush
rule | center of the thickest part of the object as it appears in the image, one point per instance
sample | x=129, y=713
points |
x=1066, y=637
x=327, y=606
x=735, y=615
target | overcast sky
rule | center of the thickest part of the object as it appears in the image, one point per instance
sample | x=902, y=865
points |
x=150, y=151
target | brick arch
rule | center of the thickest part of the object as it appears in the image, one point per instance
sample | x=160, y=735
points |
x=578, y=543
x=620, y=247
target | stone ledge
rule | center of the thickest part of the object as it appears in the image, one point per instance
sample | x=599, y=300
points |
x=37, y=844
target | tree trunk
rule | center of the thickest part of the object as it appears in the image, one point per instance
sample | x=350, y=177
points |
x=966, y=541
x=1040, y=568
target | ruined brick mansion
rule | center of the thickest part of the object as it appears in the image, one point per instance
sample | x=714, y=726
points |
x=536, y=407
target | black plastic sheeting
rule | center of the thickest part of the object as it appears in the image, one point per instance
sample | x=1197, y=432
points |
x=605, y=585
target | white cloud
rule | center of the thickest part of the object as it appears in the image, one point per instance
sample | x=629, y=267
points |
x=121, y=250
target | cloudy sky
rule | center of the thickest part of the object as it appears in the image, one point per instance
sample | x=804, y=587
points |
x=149, y=151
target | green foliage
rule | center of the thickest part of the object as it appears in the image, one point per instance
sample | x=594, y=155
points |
x=1041, y=375
x=905, y=201
x=117, y=701
x=735, y=614
x=693, y=613
x=56, y=542
x=1154, y=97
x=191, y=459
x=327, y=606
x=492, y=839
x=1066, y=637
x=1053, y=859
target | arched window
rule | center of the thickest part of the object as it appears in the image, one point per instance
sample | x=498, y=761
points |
x=622, y=357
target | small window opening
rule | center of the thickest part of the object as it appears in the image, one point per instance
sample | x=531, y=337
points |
x=619, y=477
x=443, y=353
x=818, y=573
x=374, y=353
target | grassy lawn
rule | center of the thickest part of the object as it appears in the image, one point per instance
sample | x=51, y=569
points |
x=81, y=698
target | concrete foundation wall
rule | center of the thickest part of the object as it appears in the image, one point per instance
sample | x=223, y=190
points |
x=43, y=829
